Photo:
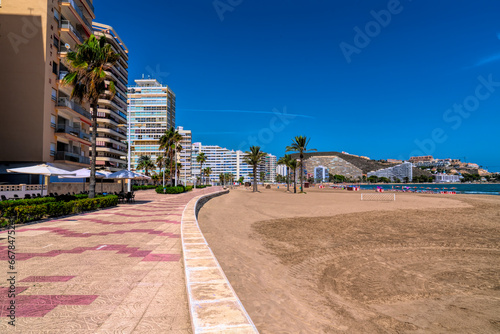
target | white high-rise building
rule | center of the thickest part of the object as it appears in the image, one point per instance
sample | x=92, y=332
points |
x=270, y=167
x=184, y=157
x=281, y=170
x=151, y=111
x=401, y=172
x=220, y=160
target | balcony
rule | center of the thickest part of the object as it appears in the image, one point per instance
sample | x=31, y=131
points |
x=65, y=102
x=63, y=50
x=74, y=7
x=73, y=157
x=66, y=25
x=88, y=4
x=77, y=132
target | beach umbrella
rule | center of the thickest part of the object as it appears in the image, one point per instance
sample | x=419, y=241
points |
x=84, y=173
x=125, y=174
x=42, y=169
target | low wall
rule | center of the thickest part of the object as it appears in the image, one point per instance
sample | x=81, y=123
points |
x=63, y=188
x=213, y=305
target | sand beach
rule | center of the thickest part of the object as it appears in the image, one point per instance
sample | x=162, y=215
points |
x=326, y=262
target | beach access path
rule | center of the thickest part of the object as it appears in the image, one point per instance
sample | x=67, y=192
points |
x=116, y=270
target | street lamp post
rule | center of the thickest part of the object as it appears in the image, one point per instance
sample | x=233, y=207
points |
x=129, y=185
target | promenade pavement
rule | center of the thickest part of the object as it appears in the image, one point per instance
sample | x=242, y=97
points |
x=116, y=270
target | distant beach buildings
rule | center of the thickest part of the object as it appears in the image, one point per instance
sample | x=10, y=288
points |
x=400, y=172
x=443, y=178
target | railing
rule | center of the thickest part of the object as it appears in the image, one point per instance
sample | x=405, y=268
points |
x=79, y=11
x=67, y=25
x=74, y=131
x=65, y=102
x=68, y=156
x=63, y=48
x=84, y=135
x=90, y=5
x=62, y=74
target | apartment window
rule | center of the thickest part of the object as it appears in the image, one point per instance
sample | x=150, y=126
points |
x=54, y=67
x=52, y=149
x=56, y=42
x=56, y=16
x=54, y=94
x=53, y=121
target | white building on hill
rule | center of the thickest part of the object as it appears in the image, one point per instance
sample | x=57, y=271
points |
x=402, y=171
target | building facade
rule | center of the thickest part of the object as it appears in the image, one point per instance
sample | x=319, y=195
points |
x=220, y=160
x=442, y=178
x=270, y=168
x=112, y=111
x=54, y=128
x=151, y=111
x=184, y=157
x=281, y=170
x=402, y=172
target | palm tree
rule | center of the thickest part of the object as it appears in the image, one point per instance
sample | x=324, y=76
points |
x=160, y=163
x=169, y=142
x=145, y=162
x=254, y=157
x=285, y=161
x=299, y=144
x=201, y=159
x=87, y=66
x=222, y=178
x=292, y=164
x=208, y=171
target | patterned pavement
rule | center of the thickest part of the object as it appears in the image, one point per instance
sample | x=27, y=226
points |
x=116, y=270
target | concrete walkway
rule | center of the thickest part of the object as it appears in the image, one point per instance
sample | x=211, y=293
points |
x=116, y=270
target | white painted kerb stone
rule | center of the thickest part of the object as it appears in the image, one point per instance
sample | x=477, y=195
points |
x=213, y=305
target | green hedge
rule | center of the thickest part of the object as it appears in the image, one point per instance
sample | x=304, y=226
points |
x=21, y=202
x=173, y=190
x=203, y=186
x=27, y=213
x=144, y=187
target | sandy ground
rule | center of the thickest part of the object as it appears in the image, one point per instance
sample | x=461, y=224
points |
x=326, y=262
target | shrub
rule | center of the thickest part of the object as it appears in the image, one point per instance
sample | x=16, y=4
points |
x=144, y=187
x=201, y=186
x=28, y=213
x=171, y=190
x=12, y=203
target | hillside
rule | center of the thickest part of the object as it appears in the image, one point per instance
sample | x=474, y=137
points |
x=364, y=164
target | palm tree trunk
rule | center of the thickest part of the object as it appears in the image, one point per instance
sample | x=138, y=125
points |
x=254, y=179
x=301, y=173
x=288, y=179
x=294, y=182
x=94, y=152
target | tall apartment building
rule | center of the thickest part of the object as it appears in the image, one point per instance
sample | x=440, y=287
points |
x=220, y=160
x=270, y=167
x=40, y=123
x=112, y=118
x=151, y=109
x=184, y=157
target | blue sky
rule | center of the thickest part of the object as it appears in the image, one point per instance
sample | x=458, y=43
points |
x=386, y=79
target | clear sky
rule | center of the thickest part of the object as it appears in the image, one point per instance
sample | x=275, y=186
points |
x=385, y=79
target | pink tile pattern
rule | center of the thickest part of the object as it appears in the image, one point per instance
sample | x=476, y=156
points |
x=47, y=279
x=68, y=233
